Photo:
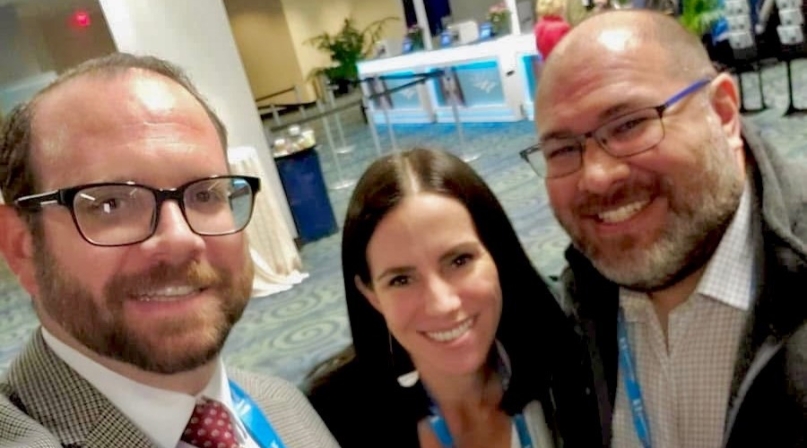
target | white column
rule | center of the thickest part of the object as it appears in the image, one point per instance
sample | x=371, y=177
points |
x=515, y=23
x=423, y=23
x=196, y=35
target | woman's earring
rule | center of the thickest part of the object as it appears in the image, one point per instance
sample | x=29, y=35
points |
x=407, y=379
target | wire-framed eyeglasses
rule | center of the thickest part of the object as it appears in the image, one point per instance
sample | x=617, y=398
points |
x=623, y=136
x=124, y=213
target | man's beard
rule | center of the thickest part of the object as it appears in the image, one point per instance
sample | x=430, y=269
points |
x=698, y=215
x=105, y=329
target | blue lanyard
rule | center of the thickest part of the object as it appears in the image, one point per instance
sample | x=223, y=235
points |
x=253, y=419
x=440, y=429
x=626, y=362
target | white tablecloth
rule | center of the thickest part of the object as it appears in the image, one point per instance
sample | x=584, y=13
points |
x=277, y=262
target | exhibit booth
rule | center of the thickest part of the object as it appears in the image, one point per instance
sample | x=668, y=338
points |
x=489, y=80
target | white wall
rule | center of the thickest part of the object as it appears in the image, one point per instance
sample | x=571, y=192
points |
x=308, y=18
x=264, y=43
x=195, y=34
x=462, y=10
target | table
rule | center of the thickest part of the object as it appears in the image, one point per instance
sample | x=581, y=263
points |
x=277, y=261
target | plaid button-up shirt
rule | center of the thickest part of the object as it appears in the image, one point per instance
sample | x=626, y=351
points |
x=686, y=377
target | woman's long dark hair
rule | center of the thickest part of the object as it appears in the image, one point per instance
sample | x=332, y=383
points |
x=530, y=315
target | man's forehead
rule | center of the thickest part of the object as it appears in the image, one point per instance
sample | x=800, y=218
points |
x=95, y=92
x=95, y=102
x=613, y=54
x=618, y=40
x=598, y=47
x=95, y=110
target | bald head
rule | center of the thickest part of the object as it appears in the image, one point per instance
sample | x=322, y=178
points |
x=635, y=30
x=627, y=57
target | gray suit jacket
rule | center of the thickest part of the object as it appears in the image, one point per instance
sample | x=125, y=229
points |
x=46, y=404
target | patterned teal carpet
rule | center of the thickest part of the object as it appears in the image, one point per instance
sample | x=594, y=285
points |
x=287, y=333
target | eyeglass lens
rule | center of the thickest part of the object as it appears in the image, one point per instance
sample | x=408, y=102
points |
x=624, y=136
x=121, y=214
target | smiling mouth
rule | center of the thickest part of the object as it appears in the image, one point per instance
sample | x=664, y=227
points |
x=623, y=213
x=167, y=294
x=452, y=334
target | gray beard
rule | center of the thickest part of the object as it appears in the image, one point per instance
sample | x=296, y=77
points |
x=698, y=218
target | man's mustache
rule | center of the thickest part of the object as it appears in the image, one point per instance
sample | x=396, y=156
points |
x=192, y=274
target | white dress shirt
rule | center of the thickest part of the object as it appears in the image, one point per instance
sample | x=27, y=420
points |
x=160, y=414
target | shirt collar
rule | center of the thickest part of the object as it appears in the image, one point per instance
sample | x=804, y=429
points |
x=731, y=274
x=160, y=414
x=735, y=259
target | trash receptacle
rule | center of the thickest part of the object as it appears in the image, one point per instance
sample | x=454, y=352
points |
x=301, y=176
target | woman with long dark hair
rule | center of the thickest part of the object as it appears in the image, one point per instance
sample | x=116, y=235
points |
x=457, y=340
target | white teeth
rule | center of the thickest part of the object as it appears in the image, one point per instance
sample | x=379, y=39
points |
x=454, y=333
x=622, y=213
x=166, y=294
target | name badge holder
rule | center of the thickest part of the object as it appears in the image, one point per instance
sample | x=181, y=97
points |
x=626, y=362
x=253, y=419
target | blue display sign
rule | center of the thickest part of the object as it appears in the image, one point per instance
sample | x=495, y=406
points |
x=446, y=38
x=485, y=30
x=407, y=45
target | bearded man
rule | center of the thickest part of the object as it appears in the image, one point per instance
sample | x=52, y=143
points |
x=688, y=259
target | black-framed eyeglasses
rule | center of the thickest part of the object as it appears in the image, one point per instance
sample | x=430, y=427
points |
x=624, y=136
x=124, y=213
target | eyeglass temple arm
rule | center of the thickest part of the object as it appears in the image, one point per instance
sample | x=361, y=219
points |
x=678, y=96
x=38, y=201
x=524, y=153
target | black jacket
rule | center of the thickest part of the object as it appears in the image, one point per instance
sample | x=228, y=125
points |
x=768, y=404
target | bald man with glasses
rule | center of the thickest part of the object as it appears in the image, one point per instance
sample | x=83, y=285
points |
x=688, y=259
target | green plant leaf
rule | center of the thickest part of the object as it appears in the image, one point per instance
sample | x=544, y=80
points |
x=698, y=16
x=348, y=46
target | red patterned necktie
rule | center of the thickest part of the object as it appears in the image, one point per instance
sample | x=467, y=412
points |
x=210, y=426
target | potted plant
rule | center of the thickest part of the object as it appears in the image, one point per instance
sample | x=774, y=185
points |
x=699, y=16
x=415, y=35
x=346, y=48
x=499, y=18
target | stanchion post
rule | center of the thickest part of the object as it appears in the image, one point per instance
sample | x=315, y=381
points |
x=344, y=149
x=390, y=130
x=275, y=115
x=791, y=107
x=299, y=97
x=453, y=100
x=342, y=182
x=371, y=123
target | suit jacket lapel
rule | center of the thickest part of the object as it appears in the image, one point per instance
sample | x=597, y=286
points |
x=66, y=404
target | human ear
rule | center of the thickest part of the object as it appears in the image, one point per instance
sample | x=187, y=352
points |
x=725, y=102
x=17, y=246
x=367, y=292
